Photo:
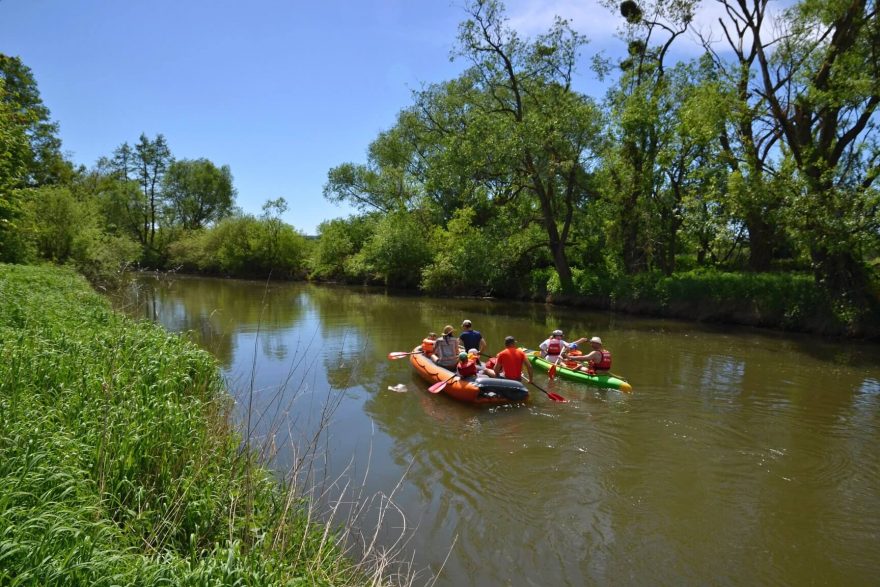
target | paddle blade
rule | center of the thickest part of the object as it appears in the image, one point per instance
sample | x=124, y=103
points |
x=556, y=397
x=440, y=385
x=398, y=355
x=552, y=372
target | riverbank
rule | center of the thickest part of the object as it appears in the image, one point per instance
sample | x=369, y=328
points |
x=789, y=301
x=119, y=462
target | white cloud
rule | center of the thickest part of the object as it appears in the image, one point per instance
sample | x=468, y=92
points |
x=533, y=17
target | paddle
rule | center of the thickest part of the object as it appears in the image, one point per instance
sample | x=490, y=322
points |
x=551, y=373
x=440, y=385
x=554, y=396
x=401, y=354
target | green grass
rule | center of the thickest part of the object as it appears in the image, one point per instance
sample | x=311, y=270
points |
x=118, y=463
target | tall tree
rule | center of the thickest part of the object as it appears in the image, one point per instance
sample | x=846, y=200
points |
x=750, y=141
x=819, y=75
x=152, y=158
x=642, y=121
x=198, y=192
x=44, y=161
x=531, y=135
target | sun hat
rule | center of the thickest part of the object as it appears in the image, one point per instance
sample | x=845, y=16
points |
x=473, y=352
x=596, y=340
x=462, y=356
x=448, y=329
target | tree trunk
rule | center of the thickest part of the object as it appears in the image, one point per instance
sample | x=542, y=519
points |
x=761, y=242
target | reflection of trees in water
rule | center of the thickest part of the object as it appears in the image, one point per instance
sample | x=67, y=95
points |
x=215, y=310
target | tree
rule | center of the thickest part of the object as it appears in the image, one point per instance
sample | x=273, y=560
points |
x=197, y=192
x=385, y=183
x=819, y=77
x=43, y=161
x=152, y=159
x=527, y=132
x=643, y=123
x=136, y=194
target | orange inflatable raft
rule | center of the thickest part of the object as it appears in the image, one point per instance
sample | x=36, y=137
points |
x=484, y=390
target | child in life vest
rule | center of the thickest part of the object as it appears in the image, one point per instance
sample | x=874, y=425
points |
x=569, y=355
x=469, y=367
x=428, y=343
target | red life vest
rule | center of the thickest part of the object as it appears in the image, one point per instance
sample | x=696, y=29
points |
x=554, y=347
x=427, y=346
x=604, y=364
x=467, y=369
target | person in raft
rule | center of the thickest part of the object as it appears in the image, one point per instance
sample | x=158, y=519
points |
x=468, y=368
x=511, y=360
x=446, y=349
x=598, y=359
x=428, y=343
x=486, y=370
x=553, y=346
x=470, y=338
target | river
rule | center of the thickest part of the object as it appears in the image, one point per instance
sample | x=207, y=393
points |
x=743, y=456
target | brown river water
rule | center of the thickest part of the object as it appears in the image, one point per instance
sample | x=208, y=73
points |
x=743, y=456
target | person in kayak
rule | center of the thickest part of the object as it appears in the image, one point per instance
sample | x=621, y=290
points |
x=569, y=357
x=511, y=360
x=470, y=338
x=553, y=347
x=597, y=360
x=446, y=349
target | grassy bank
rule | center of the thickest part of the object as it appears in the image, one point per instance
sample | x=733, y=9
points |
x=118, y=464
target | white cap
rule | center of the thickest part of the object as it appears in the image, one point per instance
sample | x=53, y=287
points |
x=596, y=340
x=473, y=352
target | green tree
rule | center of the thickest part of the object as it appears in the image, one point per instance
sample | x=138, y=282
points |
x=397, y=251
x=819, y=75
x=14, y=156
x=43, y=161
x=338, y=241
x=197, y=192
x=643, y=116
x=526, y=133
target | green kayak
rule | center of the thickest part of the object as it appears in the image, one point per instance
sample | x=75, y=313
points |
x=608, y=381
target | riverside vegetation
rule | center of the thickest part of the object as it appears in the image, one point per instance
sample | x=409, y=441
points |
x=738, y=185
x=119, y=463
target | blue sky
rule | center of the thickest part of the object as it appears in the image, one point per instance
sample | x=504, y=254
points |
x=281, y=91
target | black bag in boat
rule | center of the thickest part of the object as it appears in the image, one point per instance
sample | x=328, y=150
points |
x=513, y=390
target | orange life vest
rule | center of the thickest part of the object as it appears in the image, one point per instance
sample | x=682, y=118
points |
x=573, y=364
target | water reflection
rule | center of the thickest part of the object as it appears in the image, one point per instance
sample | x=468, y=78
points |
x=743, y=457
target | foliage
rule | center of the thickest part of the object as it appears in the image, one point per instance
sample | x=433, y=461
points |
x=243, y=246
x=338, y=241
x=26, y=116
x=118, y=465
x=397, y=251
x=197, y=192
x=464, y=262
